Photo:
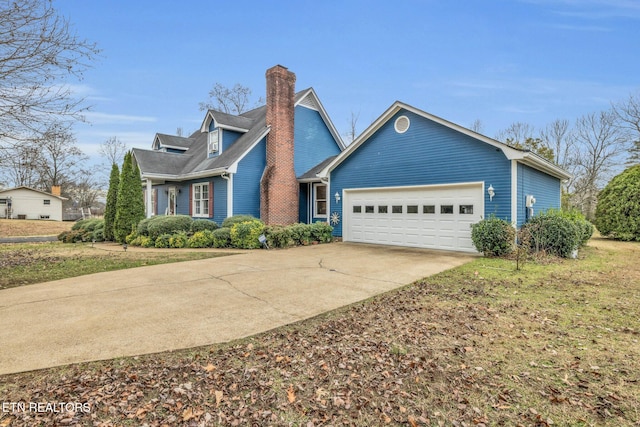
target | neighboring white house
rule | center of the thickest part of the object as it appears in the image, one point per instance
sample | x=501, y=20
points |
x=27, y=203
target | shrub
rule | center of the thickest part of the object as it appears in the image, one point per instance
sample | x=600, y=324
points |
x=168, y=224
x=222, y=238
x=98, y=235
x=278, y=236
x=618, y=209
x=143, y=226
x=203, y=224
x=237, y=219
x=493, y=237
x=584, y=226
x=244, y=235
x=321, y=232
x=178, y=240
x=163, y=241
x=74, y=236
x=201, y=239
x=300, y=233
x=552, y=233
x=147, y=242
x=88, y=224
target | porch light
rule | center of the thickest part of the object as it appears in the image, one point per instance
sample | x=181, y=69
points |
x=491, y=192
x=124, y=246
x=337, y=196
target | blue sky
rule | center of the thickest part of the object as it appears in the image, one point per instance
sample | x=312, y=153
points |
x=498, y=61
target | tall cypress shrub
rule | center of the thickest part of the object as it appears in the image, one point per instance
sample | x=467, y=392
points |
x=112, y=198
x=129, y=206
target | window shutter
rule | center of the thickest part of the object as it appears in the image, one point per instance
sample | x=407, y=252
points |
x=211, y=199
x=191, y=200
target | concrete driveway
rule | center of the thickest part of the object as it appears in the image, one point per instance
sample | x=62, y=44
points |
x=195, y=303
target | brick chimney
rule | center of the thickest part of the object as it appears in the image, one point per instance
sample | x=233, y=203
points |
x=279, y=186
x=56, y=190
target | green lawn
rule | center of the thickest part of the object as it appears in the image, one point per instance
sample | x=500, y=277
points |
x=24, y=264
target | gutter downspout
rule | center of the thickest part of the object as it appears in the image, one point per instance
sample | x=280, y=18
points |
x=148, y=201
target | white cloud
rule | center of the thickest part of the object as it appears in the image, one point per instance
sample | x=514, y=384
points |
x=95, y=117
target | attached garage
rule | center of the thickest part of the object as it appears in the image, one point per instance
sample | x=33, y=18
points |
x=414, y=179
x=432, y=216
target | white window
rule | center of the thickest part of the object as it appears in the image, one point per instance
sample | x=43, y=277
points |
x=320, y=200
x=201, y=199
x=214, y=141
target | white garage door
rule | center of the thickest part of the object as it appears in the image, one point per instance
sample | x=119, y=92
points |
x=436, y=217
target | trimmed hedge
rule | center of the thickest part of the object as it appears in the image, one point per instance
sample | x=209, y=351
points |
x=493, y=237
x=168, y=224
x=84, y=230
x=237, y=219
x=203, y=224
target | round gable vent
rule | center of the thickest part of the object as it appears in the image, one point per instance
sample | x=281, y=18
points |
x=402, y=124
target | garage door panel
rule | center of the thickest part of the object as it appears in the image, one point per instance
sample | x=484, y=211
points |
x=414, y=216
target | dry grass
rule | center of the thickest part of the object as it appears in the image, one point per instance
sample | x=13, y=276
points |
x=30, y=227
x=556, y=343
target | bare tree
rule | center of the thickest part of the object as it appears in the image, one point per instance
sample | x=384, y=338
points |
x=601, y=142
x=477, y=126
x=628, y=114
x=21, y=165
x=235, y=100
x=352, y=131
x=113, y=150
x=38, y=54
x=558, y=136
x=84, y=190
x=516, y=132
x=60, y=158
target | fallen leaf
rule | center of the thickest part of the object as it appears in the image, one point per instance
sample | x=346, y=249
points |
x=412, y=421
x=291, y=395
x=209, y=367
x=218, y=394
x=187, y=414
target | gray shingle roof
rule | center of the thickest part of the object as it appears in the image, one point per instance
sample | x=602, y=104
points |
x=195, y=161
x=174, y=141
x=311, y=174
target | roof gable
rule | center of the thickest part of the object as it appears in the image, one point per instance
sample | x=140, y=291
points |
x=24, y=187
x=309, y=99
x=524, y=156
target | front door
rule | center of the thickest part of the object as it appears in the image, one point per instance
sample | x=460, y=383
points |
x=171, y=208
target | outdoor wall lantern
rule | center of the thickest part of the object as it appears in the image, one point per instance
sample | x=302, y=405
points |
x=337, y=196
x=491, y=192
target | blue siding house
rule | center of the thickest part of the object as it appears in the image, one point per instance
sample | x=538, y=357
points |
x=221, y=169
x=414, y=179
x=411, y=178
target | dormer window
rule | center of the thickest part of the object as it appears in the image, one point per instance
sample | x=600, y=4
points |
x=214, y=141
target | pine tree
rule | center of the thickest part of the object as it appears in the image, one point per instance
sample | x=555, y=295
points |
x=129, y=206
x=110, y=208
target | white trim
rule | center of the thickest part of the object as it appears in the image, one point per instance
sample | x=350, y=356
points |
x=396, y=127
x=327, y=201
x=209, y=117
x=347, y=193
x=149, y=200
x=204, y=184
x=234, y=166
x=514, y=193
x=511, y=153
x=229, y=194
